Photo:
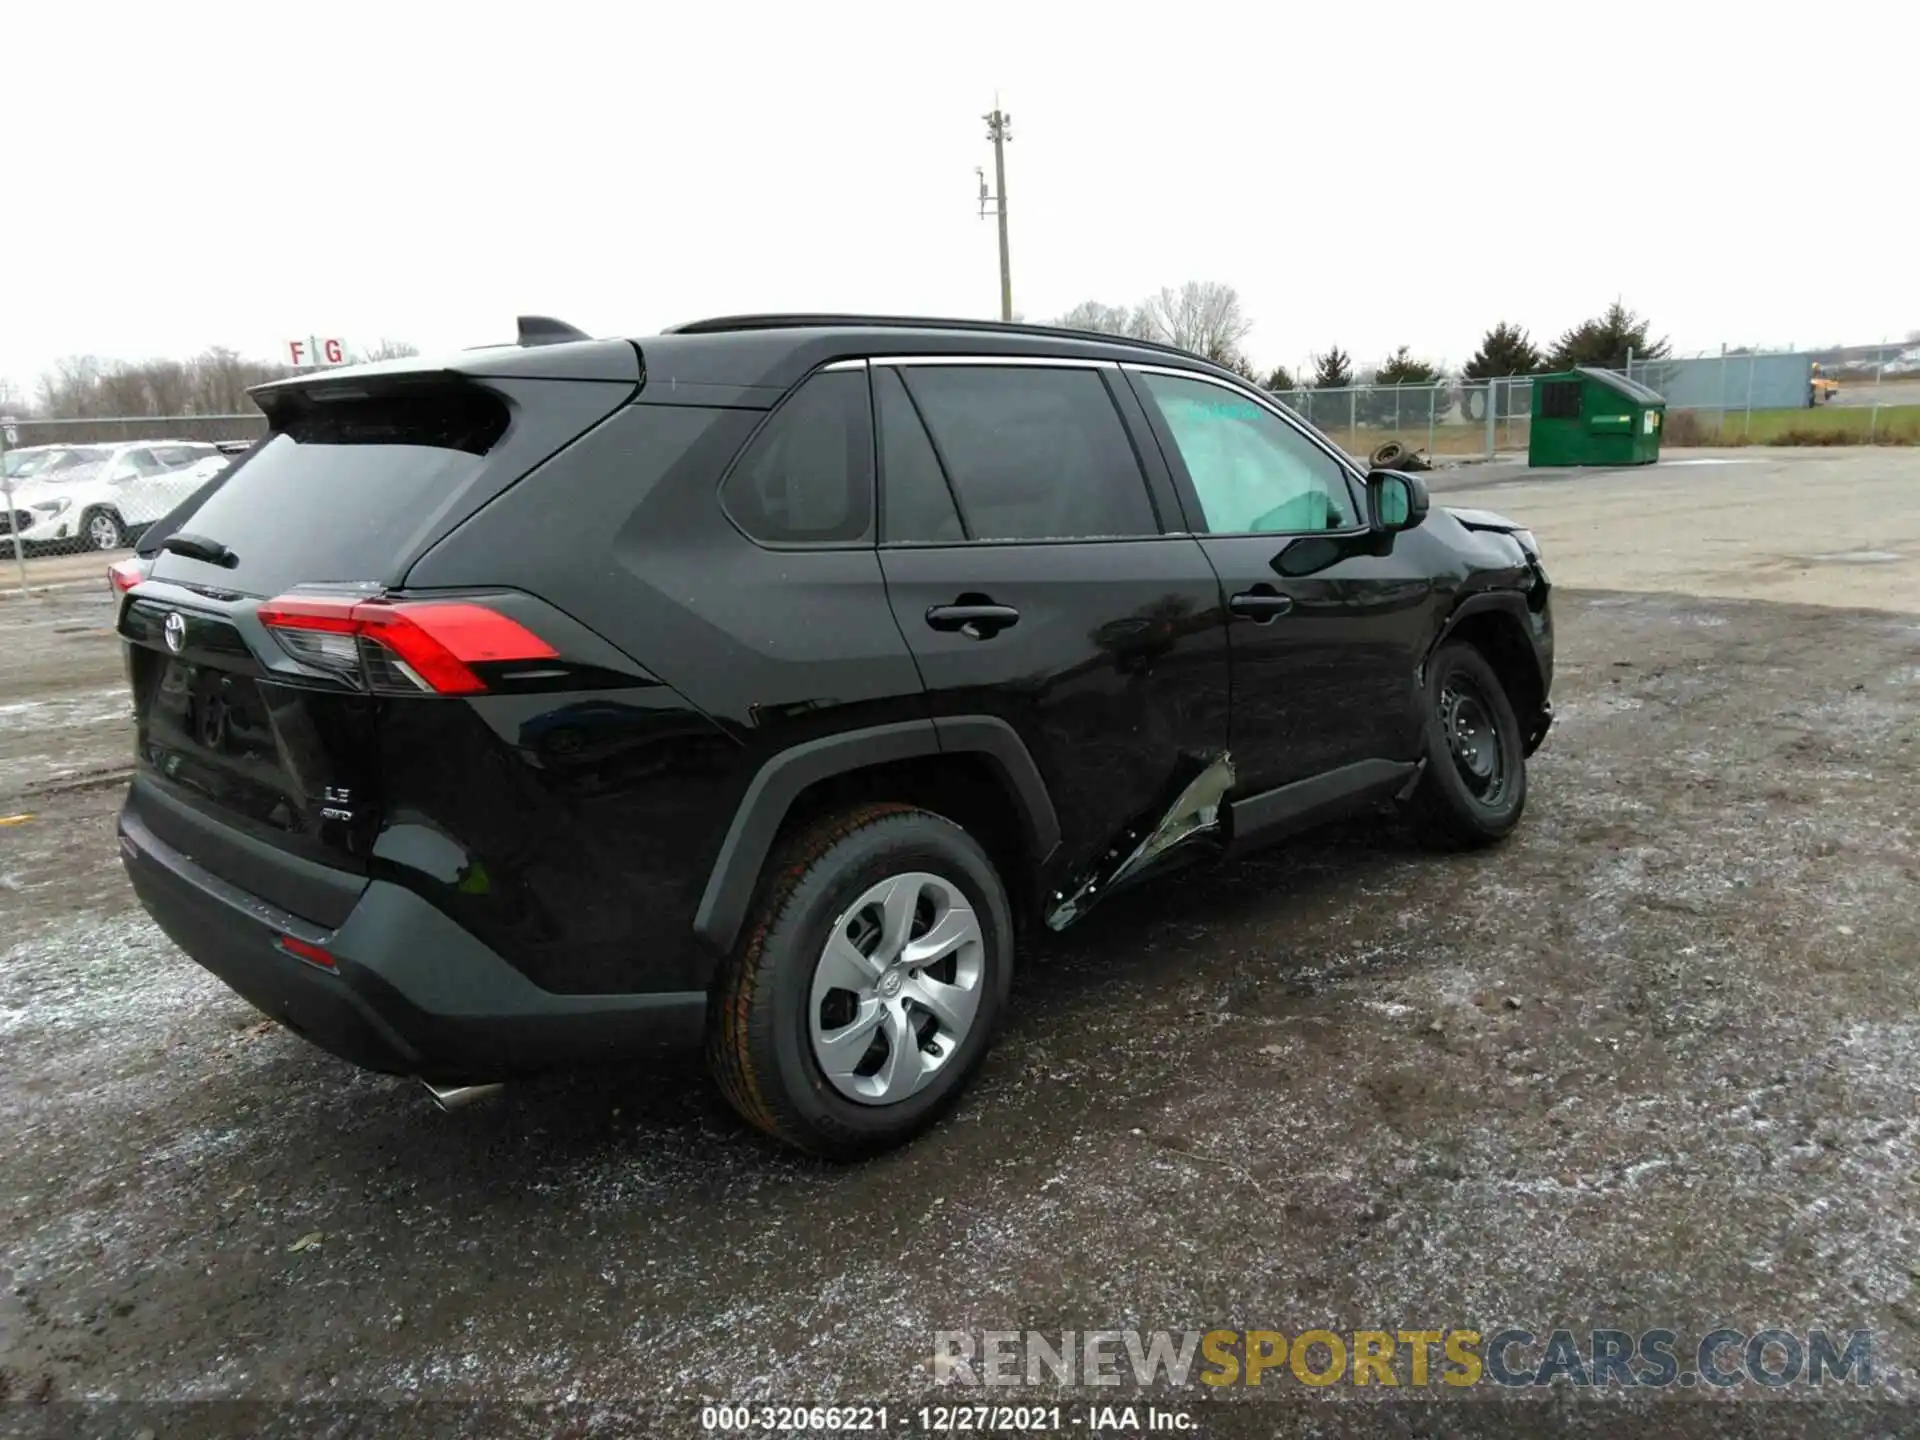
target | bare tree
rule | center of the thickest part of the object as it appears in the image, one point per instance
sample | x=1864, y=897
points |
x=85, y=387
x=1101, y=318
x=123, y=390
x=169, y=387
x=67, y=390
x=385, y=349
x=221, y=378
x=1202, y=316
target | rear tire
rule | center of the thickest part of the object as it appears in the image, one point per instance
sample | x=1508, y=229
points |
x=103, y=530
x=828, y=1033
x=1474, y=788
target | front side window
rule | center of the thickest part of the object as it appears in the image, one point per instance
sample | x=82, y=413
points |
x=1032, y=452
x=1253, y=472
x=806, y=478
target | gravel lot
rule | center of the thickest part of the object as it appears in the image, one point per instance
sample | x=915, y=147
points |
x=1652, y=1064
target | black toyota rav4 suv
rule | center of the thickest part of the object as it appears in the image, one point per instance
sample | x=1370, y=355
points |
x=756, y=684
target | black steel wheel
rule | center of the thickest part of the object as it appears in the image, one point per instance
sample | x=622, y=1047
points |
x=1474, y=787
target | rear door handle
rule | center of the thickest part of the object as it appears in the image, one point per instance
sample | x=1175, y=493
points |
x=976, y=617
x=1261, y=604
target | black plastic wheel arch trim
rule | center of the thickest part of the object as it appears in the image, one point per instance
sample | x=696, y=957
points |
x=780, y=781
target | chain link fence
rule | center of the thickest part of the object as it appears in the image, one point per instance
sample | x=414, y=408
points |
x=92, y=487
x=1841, y=395
x=1460, y=418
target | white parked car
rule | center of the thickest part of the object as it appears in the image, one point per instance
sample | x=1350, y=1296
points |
x=201, y=471
x=107, y=494
x=33, y=460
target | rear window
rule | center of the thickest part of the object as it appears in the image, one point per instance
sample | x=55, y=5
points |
x=341, y=487
x=175, y=456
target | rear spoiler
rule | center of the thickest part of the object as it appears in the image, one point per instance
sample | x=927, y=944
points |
x=548, y=349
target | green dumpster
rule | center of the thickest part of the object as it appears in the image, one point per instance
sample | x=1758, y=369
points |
x=1590, y=416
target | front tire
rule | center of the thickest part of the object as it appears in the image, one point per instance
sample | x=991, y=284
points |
x=1474, y=788
x=103, y=530
x=869, y=981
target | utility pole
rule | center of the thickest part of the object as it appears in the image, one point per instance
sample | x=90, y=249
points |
x=999, y=131
x=9, y=436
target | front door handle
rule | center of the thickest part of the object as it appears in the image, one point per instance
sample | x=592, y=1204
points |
x=974, y=616
x=1261, y=604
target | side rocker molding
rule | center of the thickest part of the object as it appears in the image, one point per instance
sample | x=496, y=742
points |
x=780, y=781
x=1259, y=819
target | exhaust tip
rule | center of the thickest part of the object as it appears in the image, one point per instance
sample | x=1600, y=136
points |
x=458, y=1097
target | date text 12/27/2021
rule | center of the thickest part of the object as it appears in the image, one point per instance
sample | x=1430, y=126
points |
x=944, y=1419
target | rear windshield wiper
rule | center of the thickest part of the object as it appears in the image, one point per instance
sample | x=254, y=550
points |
x=199, y=547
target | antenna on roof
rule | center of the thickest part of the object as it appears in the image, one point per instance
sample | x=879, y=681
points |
x=545, y=330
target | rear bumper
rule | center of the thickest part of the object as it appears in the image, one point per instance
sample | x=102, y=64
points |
x=411, y=992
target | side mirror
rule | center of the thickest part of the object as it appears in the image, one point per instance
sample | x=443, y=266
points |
x=1395, y=501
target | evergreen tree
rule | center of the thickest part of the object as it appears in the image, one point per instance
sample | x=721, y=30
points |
x=1504, y=350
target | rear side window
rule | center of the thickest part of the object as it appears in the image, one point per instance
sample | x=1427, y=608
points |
x=916, y=505
x=340, y=486
x=806, y=477
x=1033, y=453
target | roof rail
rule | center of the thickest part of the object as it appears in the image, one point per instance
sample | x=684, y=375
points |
x=545, y=330
x=728, y=323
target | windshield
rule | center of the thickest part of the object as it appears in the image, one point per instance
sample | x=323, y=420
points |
x=38, y=464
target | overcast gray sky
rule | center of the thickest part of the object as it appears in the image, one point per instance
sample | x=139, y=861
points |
x=199, y=173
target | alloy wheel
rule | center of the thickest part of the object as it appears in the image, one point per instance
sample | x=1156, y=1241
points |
x=104, y=532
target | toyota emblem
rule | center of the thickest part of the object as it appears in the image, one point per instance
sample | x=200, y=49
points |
x=176, y=629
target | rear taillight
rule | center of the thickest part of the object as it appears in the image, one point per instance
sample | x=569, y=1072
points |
x=402, y=647
x=123, y=575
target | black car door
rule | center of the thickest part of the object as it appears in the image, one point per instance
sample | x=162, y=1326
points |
x=1329, y=622
x=1026, y=565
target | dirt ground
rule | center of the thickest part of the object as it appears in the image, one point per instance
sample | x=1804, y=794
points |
x=1836, y=526
x=1653, y=1063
